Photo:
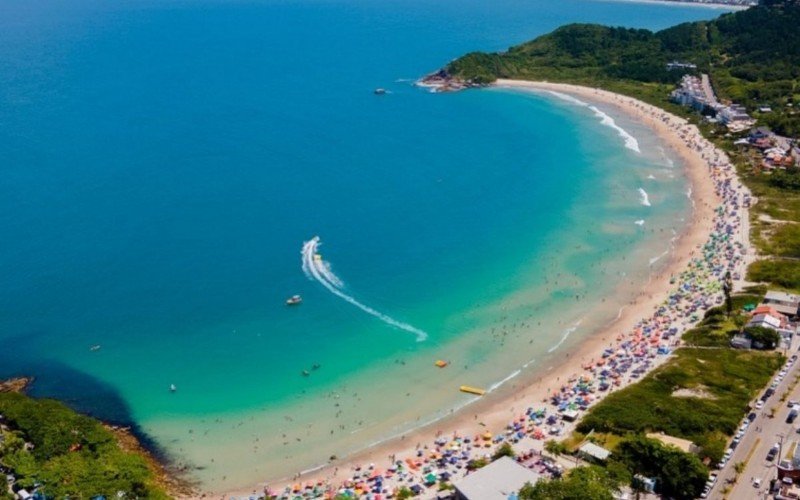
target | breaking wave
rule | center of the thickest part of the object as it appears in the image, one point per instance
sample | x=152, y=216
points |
x=318, y=270
x=643, y=198
x=568, y=98
x=564, y=337
x=630, y=141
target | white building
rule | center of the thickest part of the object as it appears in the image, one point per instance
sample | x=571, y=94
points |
x=497, y=481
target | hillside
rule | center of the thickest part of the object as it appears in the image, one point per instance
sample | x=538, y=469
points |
x=753, y=57
x=49, y=449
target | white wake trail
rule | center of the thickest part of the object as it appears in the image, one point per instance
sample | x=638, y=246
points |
x=317, y=269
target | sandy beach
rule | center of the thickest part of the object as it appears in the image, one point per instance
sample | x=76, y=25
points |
x=713, y=184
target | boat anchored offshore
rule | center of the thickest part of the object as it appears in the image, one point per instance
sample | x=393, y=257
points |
x=380, y=91
x=172, y=388
x=294, y=300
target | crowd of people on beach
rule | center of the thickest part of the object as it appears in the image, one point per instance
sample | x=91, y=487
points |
x=625, y=359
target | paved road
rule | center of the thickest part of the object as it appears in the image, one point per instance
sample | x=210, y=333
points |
x=759, y=437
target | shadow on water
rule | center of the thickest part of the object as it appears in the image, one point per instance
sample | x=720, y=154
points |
x=78, y=390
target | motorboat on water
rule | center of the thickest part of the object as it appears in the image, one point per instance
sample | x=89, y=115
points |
x=380, y=91
x=172, y=388
x=294, y=300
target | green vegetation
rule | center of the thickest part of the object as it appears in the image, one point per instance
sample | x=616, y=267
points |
x=785, y=274
x=760, y=335
x=717, y=327
x=72, y=455
x=554, y=447
x=678, y=474
x=589, y=483
x=504, y=450
x=752, y=56
x=717, y=386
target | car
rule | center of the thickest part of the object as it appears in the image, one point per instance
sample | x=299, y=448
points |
x=751, y=417
x=773, y=451
x=735, y=443
x=705, y=492
x=791, y=403
x=712, y=478
x=769, y=392
x=757, y=482
x=759, y=405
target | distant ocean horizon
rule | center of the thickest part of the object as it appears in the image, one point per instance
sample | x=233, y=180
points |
x=174, y=171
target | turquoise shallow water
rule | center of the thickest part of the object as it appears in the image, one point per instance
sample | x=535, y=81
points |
x=163, y=163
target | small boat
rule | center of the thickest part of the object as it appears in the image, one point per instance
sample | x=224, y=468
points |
x=294, y=300
x=379, y=91
x=172, y=388
x=306, y=373
x=316, y=366
x=95, y=347
x=441, y=363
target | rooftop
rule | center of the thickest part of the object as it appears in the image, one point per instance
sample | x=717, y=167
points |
x=496, y=481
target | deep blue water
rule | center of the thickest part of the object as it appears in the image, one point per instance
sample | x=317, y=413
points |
x=163, y=162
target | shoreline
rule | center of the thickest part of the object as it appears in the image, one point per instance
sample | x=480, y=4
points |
x=689, y=3
x=494, y=411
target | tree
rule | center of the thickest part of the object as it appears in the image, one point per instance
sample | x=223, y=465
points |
x=679, y=475
x=555, y=447
x=767, y=337
x=504, y=450
x=727, y=287
x=582, y=483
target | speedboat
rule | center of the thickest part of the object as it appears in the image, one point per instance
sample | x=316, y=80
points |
x=294, y=300
x=380, y=91
x=172, y=388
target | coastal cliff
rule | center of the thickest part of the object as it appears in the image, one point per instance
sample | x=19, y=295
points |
x=57, y=452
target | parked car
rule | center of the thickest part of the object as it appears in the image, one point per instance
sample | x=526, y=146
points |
x=773, y=451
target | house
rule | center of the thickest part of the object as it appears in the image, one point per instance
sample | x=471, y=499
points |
x=593, y=452
x=497, y=481
x=768, y=316
x=784, y=303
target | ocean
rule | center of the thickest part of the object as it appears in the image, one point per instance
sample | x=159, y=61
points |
x=171, y=169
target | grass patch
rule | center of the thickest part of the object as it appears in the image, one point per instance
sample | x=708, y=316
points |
x=779, y=272
x=732, y=376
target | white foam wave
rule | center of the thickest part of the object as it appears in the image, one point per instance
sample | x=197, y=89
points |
x=644, y=199
x=317, y=269
x=639, y=222
x=568, y=98
x=630, y=141
x=498, y=384
x=564, y=337
x=655, y=259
